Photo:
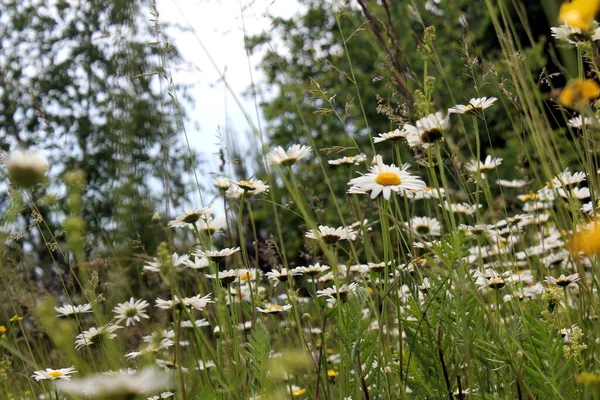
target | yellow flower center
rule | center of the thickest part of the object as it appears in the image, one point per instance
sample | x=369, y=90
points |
x=274, y=308
x=298, y=392
x=388, y=179
x=55, y=374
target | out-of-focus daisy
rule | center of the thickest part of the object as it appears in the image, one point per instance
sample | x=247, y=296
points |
x=212, y=226
x=198, y=263
x=119, y=385
x=566, y=178
x=575, y=36
x=489, y=278
x=227, y=277
x=488, y=164
x=163, y=395
x=578, y=122
x=462, y=208
x=351, y=160
x=330, y=235
x=197, y=302
x=280, y=276
x=157, y=266
x=222, y=183
x=131, y=311
x=311, y=270
x=425, y=226
x=516, y=183
x=562, y=280
x=427, y=131
x=190, y=217
x=575, y=193
x=53, y=374
x=343, y=291
x=474, y=106
x=589, y=208
x=96, y=335
x=202, y=365
x=426, y=193
x=385, y=179
x=274, y=309
x=198, y=323
x=216, y=254
x=250, y=274
x=26, y=168
x=70, y=310
x=395, y=135
x=252, y=187
x=279, y=156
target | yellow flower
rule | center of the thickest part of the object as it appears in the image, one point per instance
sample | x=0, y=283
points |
x=579, y=13
x=331, y=373
x=16, y=318
x=587, y=241
x=298, y=392
x=579, y=92
x=2, y=329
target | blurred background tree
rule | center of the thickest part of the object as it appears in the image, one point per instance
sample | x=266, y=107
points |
x=87, y=83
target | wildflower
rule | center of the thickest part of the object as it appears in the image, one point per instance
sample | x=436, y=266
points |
x=211, y=226
x=280, y=276
x=474, y=106
x=53, y=374
x=279, y=156
x=297, y=391
x=96, y=335
x=579, y=122
x=228, y=276
x=562, y=280
x=385, y=179
x=190, y=217
x=343, y=291
x=575, y=193
x=489, y=278
x=461, y=208
x=487, y=165
x=156, y=266
x=202, y=365
x=566, y=178
x=578, y=13
x=586, y=241
x=163, y=395
x=131, y=311
x=425, y=226
x=198, y=263
x=579, y=92
x=252, y=187
x=16, y=318
x=197, y=302
x=216, y=255
x=274, y=309
x=330, y=235
x=575, y=36
x=517, y=183
x=428, y=130
x=352, y=160
x=311, y=270
x=69, y=310
x=426, y=193
x=119, y=385
x=26, y=168
x=395, y=135
x=222, y=183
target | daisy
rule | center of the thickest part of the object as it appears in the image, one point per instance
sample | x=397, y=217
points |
x=119, y=385
x=352, y=160
x=487, y=165
x=575, y=36
x=589, y=208
x=216, y=255
x=280, y=276
x=163, y=395
x=252, y=187
x=274, y=309
x=190, y=217
x=212, y=226
x=96, y=335
x=69, y=310
x=489, y=278
x=343, y=292
x=227, y=277
x=330, y=235
x=566, y=178
x=461, y=208
x=202, y=365
x=575, y=193
x=578, y=122
x=395, y=135
x=517, y=183
x=221, y=183
x=311, y=270
x=428, y=130
x=278, y=156
x=385, y=179
x=131, y=311
x=426, y=193
x=197, y=323
x=26, y=168
x=562, y=280
x=197, y=302
x=473, y=107
x=425, y=226
x=198, y=263
x=53, y=374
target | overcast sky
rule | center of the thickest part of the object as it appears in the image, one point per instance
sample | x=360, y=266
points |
x=219, y=27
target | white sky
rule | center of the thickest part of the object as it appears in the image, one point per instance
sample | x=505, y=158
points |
x=219, y=27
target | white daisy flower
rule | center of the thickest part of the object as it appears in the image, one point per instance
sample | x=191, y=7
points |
x=395, y=135
x=575, y=36
x=575, y=193
x=252, y=187
x=473, y=107
x=190, y=217
x=199, y=323
x=119, y=385
x=426, y=193
x=428, y=130
x=53, y=374
x=489, y=278
x=274, y=309
x=425, y=226
x=579, y=122
x=343, y=291
x=385, y=179
x=278, y=156
x=198, y=263
x=589, y=208
x=280, y=276
x=212, y=226
x=96, y=335
x=69, y=310
x=351, y=160
x=311, y=270
x=488, y=164
x=330, y=235
x=222, y=183
x=163, y=395
x=562, y=280
x=517, y=183
x=566, y=178
x=131, y=311
x=216, y=254
x=462, y=208
x=197, y=302
x=26, y=168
